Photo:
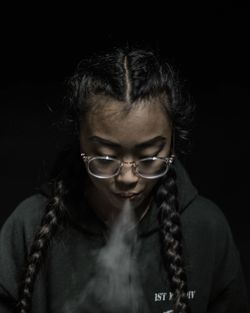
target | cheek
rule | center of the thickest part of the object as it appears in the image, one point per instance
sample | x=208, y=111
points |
x=146, y=186
x=149, y=185
x=99, y=184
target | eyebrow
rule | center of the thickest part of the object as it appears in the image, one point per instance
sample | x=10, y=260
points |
x=145, y=144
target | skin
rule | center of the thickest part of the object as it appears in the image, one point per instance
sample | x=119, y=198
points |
x=145, y=121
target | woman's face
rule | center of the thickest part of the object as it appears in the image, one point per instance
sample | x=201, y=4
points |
x=143, y=132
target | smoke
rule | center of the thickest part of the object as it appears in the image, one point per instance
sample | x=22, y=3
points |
x=115, y=287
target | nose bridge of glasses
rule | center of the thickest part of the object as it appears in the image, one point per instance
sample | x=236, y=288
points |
x=128, y=168
x=128, y=164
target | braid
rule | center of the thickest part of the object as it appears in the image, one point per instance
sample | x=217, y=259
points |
x=166, y=199
x=53, y=217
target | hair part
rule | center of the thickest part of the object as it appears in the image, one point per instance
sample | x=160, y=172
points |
x=129, y=76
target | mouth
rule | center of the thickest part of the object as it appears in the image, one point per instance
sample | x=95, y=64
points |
x=127, y=195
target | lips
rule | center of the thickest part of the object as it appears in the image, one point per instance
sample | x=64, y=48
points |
x=127, y=194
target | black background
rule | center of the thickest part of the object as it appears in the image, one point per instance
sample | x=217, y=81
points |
x=209, y=44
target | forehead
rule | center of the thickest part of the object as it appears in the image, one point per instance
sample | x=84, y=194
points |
x=111, y=120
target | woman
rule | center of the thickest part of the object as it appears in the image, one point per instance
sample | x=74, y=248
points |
x=121, y=178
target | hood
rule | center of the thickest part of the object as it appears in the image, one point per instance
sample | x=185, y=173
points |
x=88, y=222
x=186, y=194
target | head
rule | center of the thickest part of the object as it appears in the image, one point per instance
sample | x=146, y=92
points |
x=143, y=132
x=124, y=105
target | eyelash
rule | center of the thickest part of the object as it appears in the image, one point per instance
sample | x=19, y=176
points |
x=107, y=155
x=141, y=157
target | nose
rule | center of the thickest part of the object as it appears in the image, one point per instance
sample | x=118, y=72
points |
x=127, y=174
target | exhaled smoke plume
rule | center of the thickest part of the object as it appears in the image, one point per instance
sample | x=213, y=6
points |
x=115, y=287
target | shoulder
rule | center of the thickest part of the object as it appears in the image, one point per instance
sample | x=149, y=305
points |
x=31, y=206
x=26, y=216
x=205, y=213
x=16, y=236
x=212, y=253
x=30, y=209
x=206, y=228
x=205, y=224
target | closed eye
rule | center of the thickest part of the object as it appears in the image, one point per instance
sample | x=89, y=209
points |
x=106, y=155
x=150, y=156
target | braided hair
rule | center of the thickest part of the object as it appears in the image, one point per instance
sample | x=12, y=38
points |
x=49, y=224
x=171, y=236
x=127, y=75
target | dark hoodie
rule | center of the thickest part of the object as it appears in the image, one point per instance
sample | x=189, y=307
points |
x=215, y=282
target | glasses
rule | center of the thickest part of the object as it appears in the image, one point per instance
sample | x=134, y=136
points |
x=105, y=167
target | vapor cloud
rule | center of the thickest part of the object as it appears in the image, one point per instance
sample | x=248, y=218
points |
x=115, y=287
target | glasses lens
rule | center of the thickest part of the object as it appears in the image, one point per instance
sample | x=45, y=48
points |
x=152, y=167
x=103, y=166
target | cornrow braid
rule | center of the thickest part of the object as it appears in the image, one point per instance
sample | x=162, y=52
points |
x=171, y=236
x=54, y=216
